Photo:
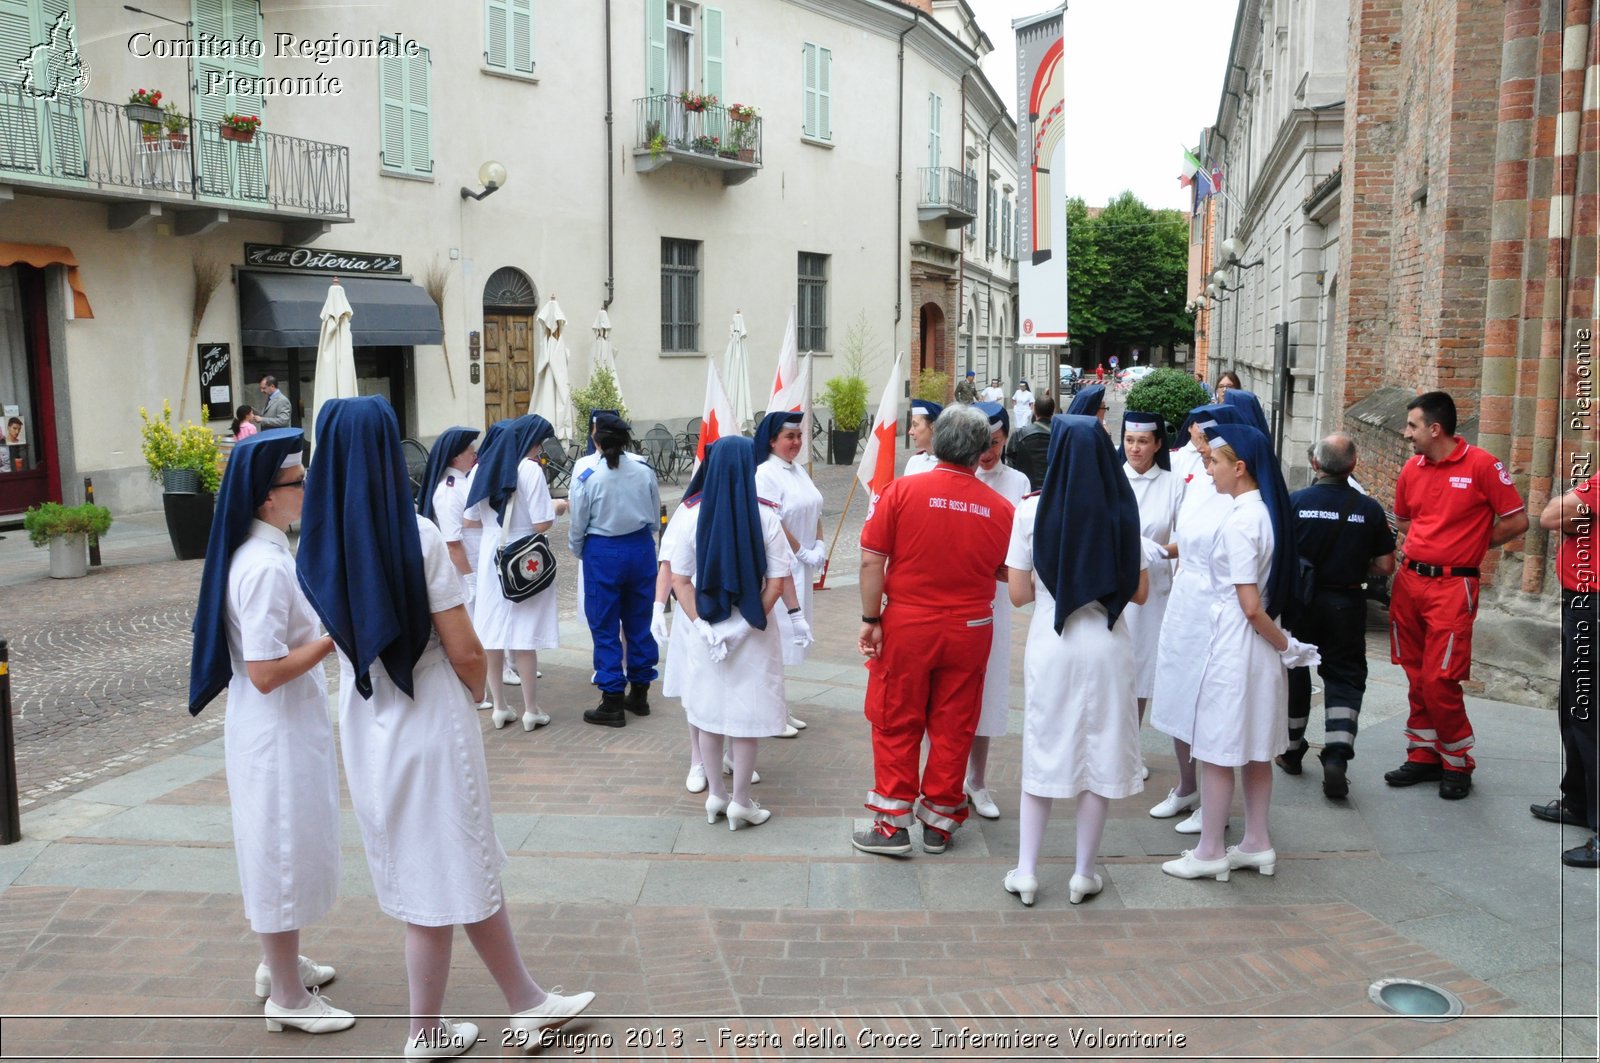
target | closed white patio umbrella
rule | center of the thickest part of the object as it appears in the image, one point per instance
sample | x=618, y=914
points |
x=736, y=370
x=604, y=355
x=336, y=360
x=552, y=388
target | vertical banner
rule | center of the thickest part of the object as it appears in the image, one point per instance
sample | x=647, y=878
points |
x=1041, y=166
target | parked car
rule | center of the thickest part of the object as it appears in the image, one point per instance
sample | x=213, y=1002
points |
x=1134, y=374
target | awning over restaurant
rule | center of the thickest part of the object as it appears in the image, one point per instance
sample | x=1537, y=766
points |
x=284, y=310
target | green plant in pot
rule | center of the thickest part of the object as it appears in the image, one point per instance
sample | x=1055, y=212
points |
x=846, y=397
x=1170, y=392
x=601, y=394
x=64, y=529
x=185, y=460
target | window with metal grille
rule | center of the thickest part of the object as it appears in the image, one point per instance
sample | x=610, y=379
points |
x=991, y=219
x=680, y=295
x=811, y=315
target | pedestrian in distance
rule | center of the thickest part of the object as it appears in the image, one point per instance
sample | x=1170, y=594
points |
x=934, y=546
x=1345, y=536
x=277, y=413
x=993, y=393
x=781, y=479
x=1022, y=403
x=283, y=783
x=729, y=566
x=515, y=501
x=1076, y=554
x=410, y=668
x=1187, y=626
x=615, y=506
x=1011, y=485
x=1240, y=720
x=1572, y=514
x=1453, y=501
x=967, y=389
x=923, y=415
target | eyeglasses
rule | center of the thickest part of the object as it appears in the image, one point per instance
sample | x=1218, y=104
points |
x=289, y=483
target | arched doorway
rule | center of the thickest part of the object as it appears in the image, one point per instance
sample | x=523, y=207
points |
x=509, y=303
x=931, y=350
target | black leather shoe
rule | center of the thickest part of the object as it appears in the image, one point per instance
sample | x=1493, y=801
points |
x=1454, y=785
x=609, y=713
x=1412, y=772
x=1289, y=760
x=1585, y=855
x=639, y=699
x=1556, y=812
x=1334, y=784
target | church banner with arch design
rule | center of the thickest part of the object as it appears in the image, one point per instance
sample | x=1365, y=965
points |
x=1041, y=164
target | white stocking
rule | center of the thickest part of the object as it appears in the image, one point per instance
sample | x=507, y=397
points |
x=1092, y=809
x=1032, y=818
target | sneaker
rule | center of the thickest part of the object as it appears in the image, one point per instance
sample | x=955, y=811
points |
x=884, y=839
x=934, y=840
x=1414, y=771
x=696, y=781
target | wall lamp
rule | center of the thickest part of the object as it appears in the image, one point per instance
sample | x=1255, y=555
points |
x=491, y=175
x=1217, y=287
x=1233, y=252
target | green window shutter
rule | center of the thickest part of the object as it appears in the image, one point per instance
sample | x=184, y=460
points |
x=655, y=41
x=496, y=31
x=933, y=129
x=392, y=112
x=521, y=43
x=711, y=53
x=17, y=38
x=808, y=67
x=419, y=123
x=825, y=93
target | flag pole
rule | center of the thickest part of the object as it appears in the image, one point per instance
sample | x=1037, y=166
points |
x=822, y=579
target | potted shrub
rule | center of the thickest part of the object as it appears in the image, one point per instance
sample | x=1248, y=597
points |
x=706, y=145
x=658, y=144
x=65, y=529
x=846, y=396
x=239, y=127
x=184, y=461
x=177, y=126
x=144, y=107
x=1170, y=392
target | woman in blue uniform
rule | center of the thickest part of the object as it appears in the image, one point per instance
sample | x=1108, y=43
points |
x=615, y=505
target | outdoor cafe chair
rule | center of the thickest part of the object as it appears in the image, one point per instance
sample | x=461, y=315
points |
x=661, y=451
x=557, y=465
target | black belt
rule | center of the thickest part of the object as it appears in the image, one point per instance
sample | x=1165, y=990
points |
x=1436, y=571
x=1341, y=587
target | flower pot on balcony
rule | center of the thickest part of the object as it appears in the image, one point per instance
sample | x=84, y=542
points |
x=740, y=117
x=151, y=140
x=747, y=154
x=239, y=136
x=179, y=141
x=142, y=112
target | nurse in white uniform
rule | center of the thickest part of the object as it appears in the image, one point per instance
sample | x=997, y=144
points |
x=1075, y=553
x=443, y=498
x=510, y=486
x=782, y=480
x=256, y=636
x=728, y=570
x=1241, y=716
x=409, y=670
x=1010, y=484
x=1159, y=493
x=923, y=414
x=1186, y=626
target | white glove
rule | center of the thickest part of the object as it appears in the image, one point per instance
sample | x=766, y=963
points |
x=658, y=622
x=1299, y=654
x=812, y=556
x=731, y=632
x=1153, y=551
x=801, y=630
x=718, y=648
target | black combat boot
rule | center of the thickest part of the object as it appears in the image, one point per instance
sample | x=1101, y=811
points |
x=639, y=699
x=609, y=713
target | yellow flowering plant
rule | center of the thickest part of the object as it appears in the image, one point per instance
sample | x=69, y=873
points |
x=189, y=446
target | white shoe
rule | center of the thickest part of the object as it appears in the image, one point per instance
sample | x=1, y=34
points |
x=982, y=803
x=534, y=718
x=556, y=1010
x=752, y=816
x=715, y=806
x=797, y=723
x=1190, y=866
x=727, y=769
x=1172, y=804
x=1191, y=825
x=510, y=677
x=312, y=975
x=319, y=1016
x=789, y=731
x=502, y=717
x=486, y=703
x=1081, y=887
x=1144, y=773
x=696, y=782
x=1024, y=886
x=449, y=1039
x=1265, y=862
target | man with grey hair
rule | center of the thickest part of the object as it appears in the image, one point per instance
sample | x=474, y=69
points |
x=933, y=547
x=1346, y=538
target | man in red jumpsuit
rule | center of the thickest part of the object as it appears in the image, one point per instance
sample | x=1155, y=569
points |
x=935, y=544
x=1453, y=501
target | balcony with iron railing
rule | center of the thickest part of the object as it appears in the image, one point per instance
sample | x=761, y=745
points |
x=948, y=195
x=91, y=149
x=667, y=130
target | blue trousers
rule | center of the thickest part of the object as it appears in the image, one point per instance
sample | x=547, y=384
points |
x=619, y=585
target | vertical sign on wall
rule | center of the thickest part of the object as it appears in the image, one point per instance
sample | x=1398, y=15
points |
x=1041, y=164
x=216, y=380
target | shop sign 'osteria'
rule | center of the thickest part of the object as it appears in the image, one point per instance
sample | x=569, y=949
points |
x=320, y=260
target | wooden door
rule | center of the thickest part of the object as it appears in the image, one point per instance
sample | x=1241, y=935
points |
x=507, y=365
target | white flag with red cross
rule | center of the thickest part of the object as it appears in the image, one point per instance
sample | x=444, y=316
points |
x=877, y=459
x=717, y=417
